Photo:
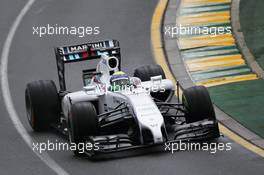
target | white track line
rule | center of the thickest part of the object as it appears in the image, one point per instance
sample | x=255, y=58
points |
x=7, y=97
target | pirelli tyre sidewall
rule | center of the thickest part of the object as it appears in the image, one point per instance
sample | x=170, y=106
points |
x=198, y=104
x=144, y=73
x=83, y=122
x=42, y=104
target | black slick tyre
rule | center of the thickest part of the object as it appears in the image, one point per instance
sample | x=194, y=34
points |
x=42, y=104
x=198, y=104
x=83, y=122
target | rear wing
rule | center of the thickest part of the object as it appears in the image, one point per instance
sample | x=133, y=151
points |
x=84, y=52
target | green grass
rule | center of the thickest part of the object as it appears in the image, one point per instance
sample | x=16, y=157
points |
x=252, y=26
x=244, y=102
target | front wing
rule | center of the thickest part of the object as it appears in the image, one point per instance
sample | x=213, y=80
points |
x=198, y=131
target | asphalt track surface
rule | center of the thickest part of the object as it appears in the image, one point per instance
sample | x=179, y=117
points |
x=32, y=58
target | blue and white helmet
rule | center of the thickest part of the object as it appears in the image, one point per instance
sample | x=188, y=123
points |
x=119, y=78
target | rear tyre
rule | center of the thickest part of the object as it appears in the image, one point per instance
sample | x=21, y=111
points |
x=83, y=121
x=148, y=71
x=198, y=104
x=42, y=104
x=144, y=73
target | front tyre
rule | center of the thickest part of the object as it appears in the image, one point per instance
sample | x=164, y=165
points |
x=198, y=104
x=83, y=122
x=42, y=104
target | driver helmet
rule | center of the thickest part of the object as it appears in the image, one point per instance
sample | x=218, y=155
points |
x=119, y=79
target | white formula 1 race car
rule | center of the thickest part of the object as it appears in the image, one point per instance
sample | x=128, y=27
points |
x=115, y=111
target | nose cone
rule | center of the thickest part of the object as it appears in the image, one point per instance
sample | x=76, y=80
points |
x=148, y=115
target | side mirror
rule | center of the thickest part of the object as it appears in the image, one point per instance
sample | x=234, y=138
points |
x=156, y=79
x=89, y=88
